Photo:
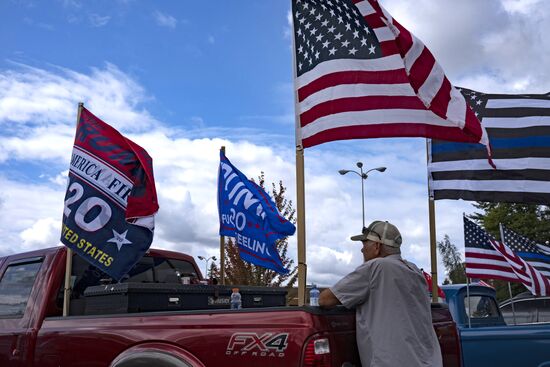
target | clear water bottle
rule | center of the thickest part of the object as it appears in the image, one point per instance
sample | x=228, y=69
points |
x=236, y=302
x=314, y=296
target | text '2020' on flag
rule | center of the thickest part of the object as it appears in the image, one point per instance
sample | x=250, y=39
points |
x=111, y=200
x=360, y=74
x=248, y=214
x=518, y=127
x=488, y=258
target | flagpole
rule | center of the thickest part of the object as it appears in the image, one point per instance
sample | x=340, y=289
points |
x=222, y=246
x=301, y=224
x=431, y=216
x=509, y=286
x=300, y=187
x=69, y=252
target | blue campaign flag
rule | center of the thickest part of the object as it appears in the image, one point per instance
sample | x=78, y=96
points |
x=248, y=214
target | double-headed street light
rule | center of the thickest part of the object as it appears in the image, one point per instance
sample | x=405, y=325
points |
x=364, y=176
x=206, y=260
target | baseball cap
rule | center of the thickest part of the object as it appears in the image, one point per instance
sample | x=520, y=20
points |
x=380, y=231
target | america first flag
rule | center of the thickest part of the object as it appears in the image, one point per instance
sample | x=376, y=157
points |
x=360, y=74
x=111, y=200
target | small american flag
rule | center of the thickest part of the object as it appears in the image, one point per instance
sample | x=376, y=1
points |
x=360, y=74
x=536, y=254
x=488, y=258
x=483, y=261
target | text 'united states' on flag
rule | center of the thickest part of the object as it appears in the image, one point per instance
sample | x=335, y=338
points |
x=487, y=258
x=248, y=214
x=360, y=74
x=111, y=198
x=518, y=126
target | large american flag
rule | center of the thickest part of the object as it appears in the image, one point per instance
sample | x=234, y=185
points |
x=360, y=74
x=491, y=259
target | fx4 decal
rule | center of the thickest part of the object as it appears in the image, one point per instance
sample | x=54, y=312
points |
x=253, y=344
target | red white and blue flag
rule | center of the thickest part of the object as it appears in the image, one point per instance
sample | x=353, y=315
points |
x=491, y=259
x=360, y=74
x=248, y=214
x=111, y=200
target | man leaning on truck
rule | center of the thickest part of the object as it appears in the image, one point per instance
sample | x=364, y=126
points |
x=393, y=312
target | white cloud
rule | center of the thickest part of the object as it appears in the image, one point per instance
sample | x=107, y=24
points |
x=165, y=20
x=97, y=20
x=38, y=97
x=497, y=45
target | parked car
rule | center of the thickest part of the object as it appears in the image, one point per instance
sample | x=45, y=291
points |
x=486, y=339
x=527, y=309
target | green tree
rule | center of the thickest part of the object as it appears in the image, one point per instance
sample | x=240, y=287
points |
x=532, y=221
x=238, y=271
x=456, y=273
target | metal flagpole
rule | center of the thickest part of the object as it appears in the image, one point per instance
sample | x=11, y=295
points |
x=69, y=252
x=222, y=247
x=469, y=302
x=512, y=302
x=300, y=189
x=301, y=222
x=509, y=286
x=431, y=216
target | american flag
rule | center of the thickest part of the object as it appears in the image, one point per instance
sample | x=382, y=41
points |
x=360, y=74
x=483, y=261
x=536, y=254
x=488, y=258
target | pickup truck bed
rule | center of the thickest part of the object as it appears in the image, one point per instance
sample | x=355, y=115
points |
x=33, y=332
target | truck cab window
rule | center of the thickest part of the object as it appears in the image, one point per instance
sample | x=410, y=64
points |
x=481, y=307
x=148, y=270
x=15, y=287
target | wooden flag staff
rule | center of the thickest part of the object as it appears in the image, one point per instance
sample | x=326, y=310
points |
x=69, y=253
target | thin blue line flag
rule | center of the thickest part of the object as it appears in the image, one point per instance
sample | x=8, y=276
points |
x=248, y=214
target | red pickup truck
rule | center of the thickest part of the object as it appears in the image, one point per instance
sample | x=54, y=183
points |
x=33, y=331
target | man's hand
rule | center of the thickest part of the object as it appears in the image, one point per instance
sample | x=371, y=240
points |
x=327, y=299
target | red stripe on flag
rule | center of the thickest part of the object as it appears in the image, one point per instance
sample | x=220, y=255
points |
x=421, y=69
x=359, y=104
x=405, y=39
x=441, y=100
x=352, y=77
x=381, y=131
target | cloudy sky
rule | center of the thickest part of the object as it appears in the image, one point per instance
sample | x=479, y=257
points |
x=184, y=78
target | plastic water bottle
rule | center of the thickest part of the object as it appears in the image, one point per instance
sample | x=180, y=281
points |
x=314, y=296
x=236, y=302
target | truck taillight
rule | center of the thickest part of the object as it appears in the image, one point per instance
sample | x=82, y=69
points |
x=317, y=353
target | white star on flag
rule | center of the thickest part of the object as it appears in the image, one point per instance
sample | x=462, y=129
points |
x=119, y=239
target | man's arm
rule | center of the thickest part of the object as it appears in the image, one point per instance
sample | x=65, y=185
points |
x=327, y=299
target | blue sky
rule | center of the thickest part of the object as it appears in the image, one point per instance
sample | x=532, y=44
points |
x=182, y=78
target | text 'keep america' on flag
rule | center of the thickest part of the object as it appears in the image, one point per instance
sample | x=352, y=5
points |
x=491, y=259
x=519, y=130
x=360, y=74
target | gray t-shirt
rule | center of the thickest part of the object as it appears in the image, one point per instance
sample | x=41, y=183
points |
x=393, y=316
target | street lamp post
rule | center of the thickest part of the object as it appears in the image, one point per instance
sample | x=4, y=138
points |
x=206, y=260
x=364, y=176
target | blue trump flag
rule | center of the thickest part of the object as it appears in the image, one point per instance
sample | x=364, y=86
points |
x=248, y=214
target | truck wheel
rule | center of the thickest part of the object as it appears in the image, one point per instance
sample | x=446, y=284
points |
x=149, y=359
